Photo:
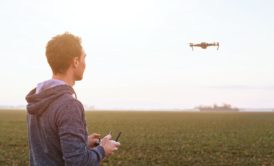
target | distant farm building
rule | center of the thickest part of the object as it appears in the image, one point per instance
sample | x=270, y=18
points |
x=216, y=108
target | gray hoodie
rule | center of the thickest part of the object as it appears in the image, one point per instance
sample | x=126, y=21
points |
x=57, y=128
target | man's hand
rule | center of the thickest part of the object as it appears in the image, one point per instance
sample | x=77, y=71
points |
x=92, y=139
x=109, y=145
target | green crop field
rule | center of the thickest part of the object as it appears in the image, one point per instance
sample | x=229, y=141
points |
x=163, y=138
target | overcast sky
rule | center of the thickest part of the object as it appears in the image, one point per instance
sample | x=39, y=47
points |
x=138, y=53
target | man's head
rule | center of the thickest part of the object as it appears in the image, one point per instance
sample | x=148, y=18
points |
x=64, y=53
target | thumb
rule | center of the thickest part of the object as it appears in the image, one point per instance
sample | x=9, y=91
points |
x=108, y=136
x=96, y=135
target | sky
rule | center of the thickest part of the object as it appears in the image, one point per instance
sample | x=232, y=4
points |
x=138, y=54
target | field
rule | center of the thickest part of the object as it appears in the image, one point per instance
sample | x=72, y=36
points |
x=163, y=138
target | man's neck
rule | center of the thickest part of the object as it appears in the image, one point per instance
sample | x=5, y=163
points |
x=66, y=78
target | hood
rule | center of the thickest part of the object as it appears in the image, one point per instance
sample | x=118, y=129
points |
x=44, y=94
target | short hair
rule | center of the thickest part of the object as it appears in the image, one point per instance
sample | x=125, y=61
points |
x=61, y=50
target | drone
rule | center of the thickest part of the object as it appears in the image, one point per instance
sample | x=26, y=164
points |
x=204, y=45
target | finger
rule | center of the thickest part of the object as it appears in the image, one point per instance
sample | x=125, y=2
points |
x=108, y=136
x=114, y=149
x=117, y=144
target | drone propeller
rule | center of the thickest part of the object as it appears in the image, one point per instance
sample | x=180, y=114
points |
x=191, y=45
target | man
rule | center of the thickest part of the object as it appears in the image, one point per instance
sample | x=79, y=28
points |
x=56, y=119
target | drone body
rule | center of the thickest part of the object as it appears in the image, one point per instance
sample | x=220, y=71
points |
x=204, y=45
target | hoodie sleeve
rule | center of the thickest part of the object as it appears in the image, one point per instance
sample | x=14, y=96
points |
x=73, y=137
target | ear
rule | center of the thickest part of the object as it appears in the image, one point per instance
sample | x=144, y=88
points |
x=76, y=61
